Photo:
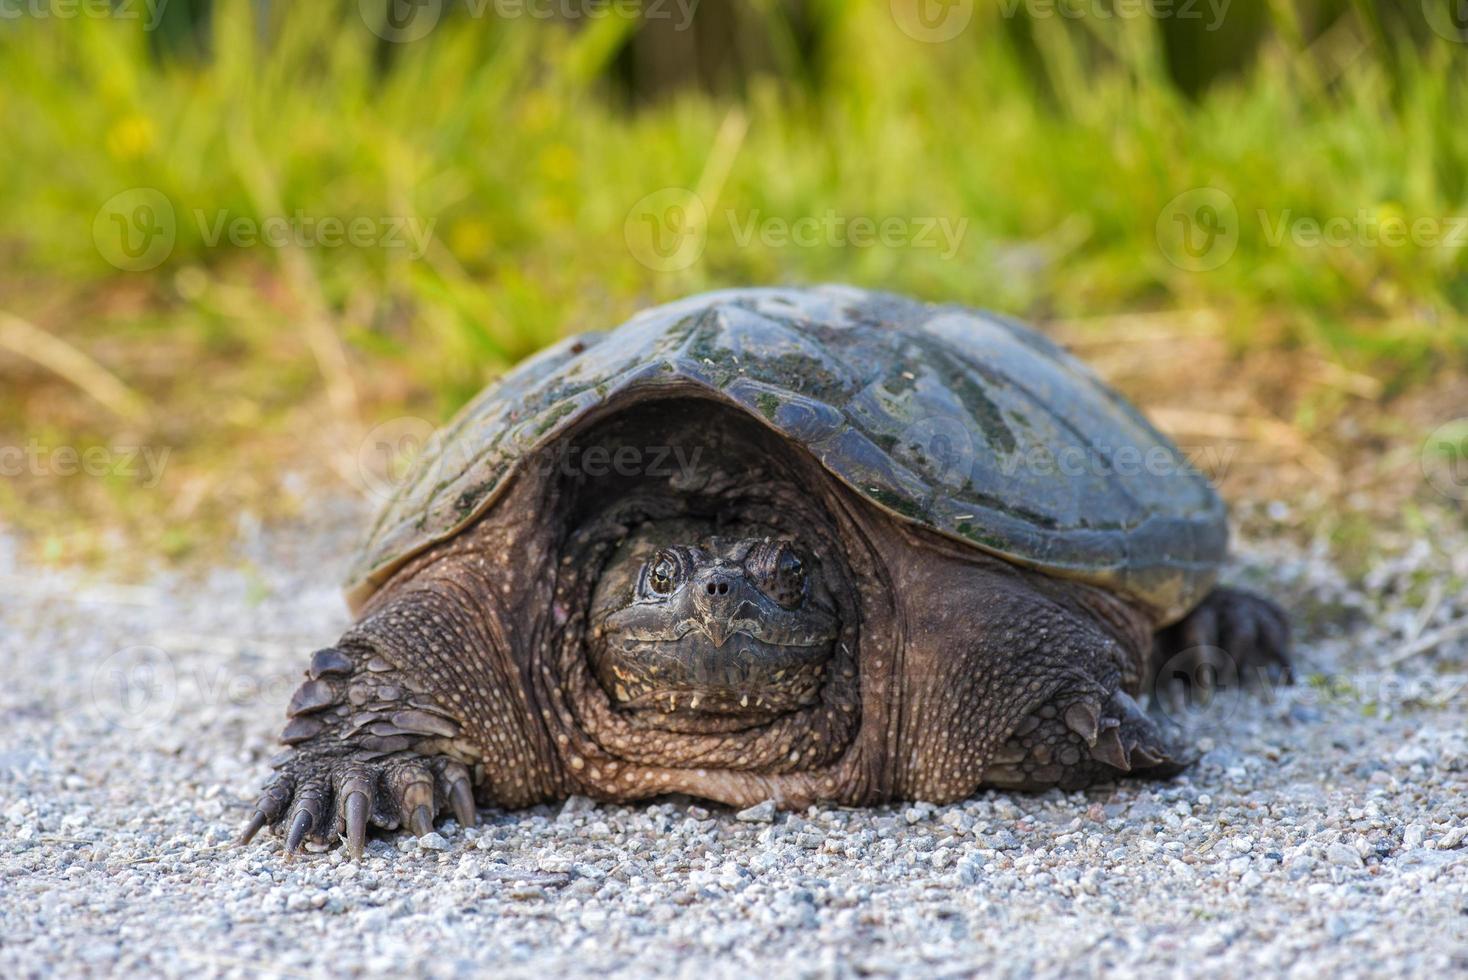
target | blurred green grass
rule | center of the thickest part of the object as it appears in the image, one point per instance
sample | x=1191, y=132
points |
x=1057, y=145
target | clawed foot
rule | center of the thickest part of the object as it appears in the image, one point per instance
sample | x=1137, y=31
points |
x=1128, y=739
x=360, y=757
x=319, y=799
x=1235, y=634
x=1072, y=745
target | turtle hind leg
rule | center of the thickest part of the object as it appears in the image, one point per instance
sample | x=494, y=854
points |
x=1071, y=743
x=1239, y=635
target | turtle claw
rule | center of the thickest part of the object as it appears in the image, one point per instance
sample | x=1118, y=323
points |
x=1108, y=749
x=357, y=809
x=420, y=822
x=300, y=823
x=1131, y=741
x=1147, y=756
x=357, y=796
x=461, y=795
x=257, y=820
x=1083, y=719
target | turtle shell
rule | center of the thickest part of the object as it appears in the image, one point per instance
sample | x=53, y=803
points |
x=961, y=421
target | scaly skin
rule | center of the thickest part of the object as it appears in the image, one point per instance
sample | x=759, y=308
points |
x=466, y=680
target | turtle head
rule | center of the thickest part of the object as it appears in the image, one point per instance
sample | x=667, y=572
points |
x=739, y=628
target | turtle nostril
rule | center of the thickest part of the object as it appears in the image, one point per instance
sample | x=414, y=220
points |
x=716, y=587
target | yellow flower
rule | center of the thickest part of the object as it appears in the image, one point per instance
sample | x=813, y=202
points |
x=558, y=162
x=470, y=239
x=130, y=137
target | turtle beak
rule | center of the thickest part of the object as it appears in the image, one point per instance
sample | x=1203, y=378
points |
x=716, y=630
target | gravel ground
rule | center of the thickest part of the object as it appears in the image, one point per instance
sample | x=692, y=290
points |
x=1322, y=833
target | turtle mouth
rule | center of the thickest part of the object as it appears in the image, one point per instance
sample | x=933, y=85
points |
x=747, y=633
x=733, y=673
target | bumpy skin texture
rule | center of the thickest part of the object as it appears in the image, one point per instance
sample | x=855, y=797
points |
x=467, y=679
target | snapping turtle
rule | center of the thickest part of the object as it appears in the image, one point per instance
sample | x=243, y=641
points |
x=789, y=544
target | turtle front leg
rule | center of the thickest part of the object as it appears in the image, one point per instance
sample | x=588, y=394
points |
x=1079, y=739
x=366, y=746
x=422, y=707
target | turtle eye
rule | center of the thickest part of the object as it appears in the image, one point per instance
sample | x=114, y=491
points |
x=662, y=575
x=791, y=569
x=782, y=573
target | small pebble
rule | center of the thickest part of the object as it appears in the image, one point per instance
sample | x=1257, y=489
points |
x=759, y=813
